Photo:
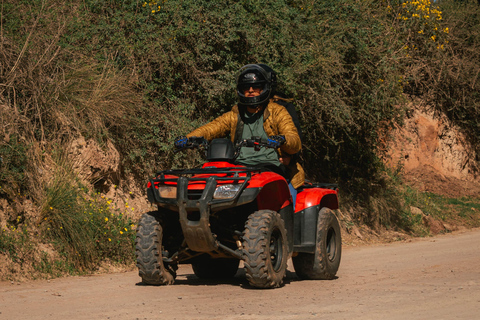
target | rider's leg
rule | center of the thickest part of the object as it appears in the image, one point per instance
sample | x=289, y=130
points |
x=293, y=192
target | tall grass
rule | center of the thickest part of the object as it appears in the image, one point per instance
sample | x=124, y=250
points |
x=83, y=226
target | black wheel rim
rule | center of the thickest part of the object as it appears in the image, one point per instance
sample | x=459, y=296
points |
x=331, y=244
x=276, y=249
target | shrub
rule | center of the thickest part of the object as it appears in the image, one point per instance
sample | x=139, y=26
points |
x=84, y=227
x=13, y=163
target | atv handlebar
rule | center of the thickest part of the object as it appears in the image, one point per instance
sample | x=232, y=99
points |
x=194, y=142
x=255, y=142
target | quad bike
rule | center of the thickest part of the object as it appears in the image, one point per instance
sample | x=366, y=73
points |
x=217, y=215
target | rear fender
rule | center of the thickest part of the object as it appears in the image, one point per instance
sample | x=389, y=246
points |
x=317, y=196
x=308, y=204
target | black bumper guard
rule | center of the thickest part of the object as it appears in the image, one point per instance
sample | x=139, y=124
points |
x=197, y=233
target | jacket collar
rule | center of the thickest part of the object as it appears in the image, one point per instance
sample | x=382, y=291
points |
x=266, y=111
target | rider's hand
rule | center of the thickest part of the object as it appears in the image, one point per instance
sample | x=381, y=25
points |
x=181, y=142
x=275, y=141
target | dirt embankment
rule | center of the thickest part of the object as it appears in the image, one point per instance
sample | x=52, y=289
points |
x=434, y=155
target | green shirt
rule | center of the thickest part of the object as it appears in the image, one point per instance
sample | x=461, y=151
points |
x=253, y=127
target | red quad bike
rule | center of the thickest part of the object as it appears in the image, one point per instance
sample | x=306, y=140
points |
x=217, y=215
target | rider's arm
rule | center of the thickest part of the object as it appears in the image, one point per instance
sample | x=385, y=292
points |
x=286, y=127
x=218, y=128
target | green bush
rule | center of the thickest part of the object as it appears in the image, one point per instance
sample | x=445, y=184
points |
x=13, y=164
x=84, y=227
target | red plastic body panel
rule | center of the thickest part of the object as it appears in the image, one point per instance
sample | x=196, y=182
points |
x=315, y=196
x=169, y=183
x=274, y=195
x=221, y=164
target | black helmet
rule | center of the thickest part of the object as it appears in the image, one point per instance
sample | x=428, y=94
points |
x=256, y=75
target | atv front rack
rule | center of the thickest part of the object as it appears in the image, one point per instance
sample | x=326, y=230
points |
x=197, y=232
x=184, y=177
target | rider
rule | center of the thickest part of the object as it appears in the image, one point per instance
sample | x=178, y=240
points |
x=256, y=114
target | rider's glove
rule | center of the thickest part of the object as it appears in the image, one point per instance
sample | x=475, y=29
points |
x=275, y=141
x=181, y=142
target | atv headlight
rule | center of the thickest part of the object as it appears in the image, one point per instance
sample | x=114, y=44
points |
x=167, y=191
x=226, y=191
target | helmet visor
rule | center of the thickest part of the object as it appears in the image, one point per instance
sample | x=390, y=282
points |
x=246, y=87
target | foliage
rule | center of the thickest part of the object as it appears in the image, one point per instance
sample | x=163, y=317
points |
x=16, y=243
x=463, y=211
x=84, y=227
x=13, y=163
x=455, y=79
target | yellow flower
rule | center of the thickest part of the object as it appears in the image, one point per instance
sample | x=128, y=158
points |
x=121, y=232
x=421, y=31
x=445, y=30
x=106, y=219
x=51, y=208
x=125, y=229
x=109, y=239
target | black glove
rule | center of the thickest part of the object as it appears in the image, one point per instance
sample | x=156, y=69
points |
x=181, y=142
x=275, y=141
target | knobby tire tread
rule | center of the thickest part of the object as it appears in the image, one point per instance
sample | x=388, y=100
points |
x=256, y=241
x=317, y=266
x=148, y=249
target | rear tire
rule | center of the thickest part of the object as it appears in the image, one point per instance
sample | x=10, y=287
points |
x=265, y=249
x=324, y=263
x=208, y=268
x=148, y=249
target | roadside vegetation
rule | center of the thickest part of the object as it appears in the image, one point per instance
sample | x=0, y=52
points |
x=139, y=73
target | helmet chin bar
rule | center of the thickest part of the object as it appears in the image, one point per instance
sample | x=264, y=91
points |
x=254, y=101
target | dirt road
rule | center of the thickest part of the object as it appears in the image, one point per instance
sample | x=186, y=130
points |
x=435, y=278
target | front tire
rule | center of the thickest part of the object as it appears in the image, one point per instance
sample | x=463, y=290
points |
x=148, y=249
x=265, y=249
x=324, y=263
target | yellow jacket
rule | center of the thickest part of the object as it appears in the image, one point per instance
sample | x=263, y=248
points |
x=276, y=121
